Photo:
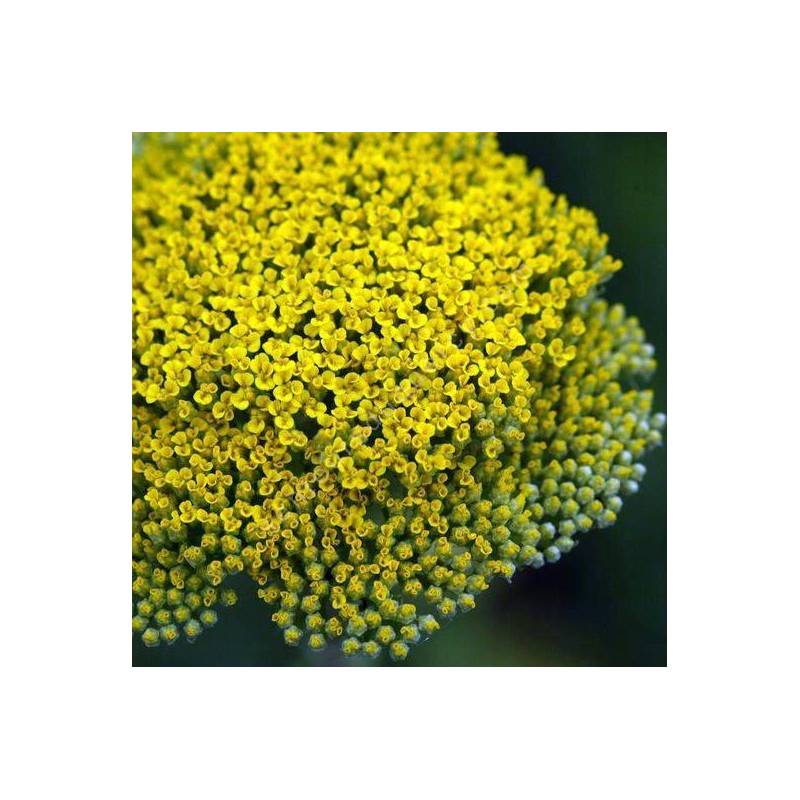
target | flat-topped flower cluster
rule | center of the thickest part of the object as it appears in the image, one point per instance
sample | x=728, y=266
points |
x=373, y=373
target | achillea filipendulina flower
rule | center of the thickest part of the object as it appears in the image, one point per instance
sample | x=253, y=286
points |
x=371, y=371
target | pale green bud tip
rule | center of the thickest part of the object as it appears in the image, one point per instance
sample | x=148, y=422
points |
x=583, y=522
x=606, y=519
x=139, y=624
x=150, y=637
x=565, y=544
x=527, y=554
x=552, y=554
x=208, y=617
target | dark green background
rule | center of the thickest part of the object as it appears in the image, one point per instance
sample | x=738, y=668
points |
x=605, y=603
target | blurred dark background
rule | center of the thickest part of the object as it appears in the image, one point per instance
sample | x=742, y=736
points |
x=605, y=604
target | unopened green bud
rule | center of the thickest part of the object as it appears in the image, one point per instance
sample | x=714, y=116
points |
x=139, y=624
x=208, y=617
x=150, y=637
x=192, y=629
x=552, y=554
x=428, y=624
x=565, y=544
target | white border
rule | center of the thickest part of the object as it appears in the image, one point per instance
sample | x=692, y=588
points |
x=79, y=719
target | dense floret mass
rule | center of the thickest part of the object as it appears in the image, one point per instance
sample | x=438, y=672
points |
x=372, y=372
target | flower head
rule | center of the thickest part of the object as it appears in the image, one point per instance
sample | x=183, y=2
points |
x=373, y=373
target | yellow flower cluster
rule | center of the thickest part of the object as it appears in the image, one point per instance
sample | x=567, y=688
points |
x=372, y=372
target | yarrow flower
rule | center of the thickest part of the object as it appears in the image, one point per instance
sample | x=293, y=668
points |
x=374, y=373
